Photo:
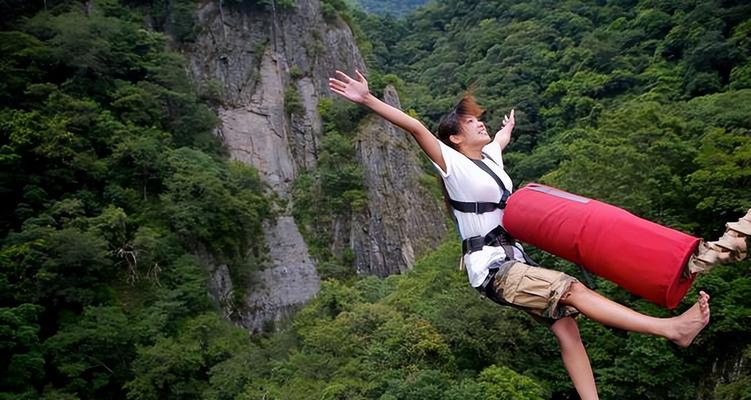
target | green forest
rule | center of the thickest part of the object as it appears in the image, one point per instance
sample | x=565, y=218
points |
x=396, y=8
x=115, y=191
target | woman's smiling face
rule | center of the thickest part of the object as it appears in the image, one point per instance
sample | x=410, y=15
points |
x=473, y=132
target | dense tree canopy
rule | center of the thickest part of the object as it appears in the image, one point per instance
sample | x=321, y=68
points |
x=640, y=103
x=396, y=8
x=111, y=179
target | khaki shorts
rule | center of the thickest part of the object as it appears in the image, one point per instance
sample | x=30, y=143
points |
x=535, y=290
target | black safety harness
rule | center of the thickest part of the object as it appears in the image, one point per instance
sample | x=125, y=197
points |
x=496, y=237
x=483, y=207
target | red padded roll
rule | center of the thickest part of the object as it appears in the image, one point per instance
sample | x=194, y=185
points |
x=644, y=258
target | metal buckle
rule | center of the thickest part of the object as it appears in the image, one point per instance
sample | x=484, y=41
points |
x=476, y=243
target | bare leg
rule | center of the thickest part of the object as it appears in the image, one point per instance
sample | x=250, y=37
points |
x=681, y=329
x=575, y=358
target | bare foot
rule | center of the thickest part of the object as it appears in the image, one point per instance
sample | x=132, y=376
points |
x=691, y=322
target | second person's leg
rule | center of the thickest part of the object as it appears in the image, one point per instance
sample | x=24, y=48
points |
x=575, y=357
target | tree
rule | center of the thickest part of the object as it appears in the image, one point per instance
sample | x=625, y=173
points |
x=93, y=353
x=178, y=367
x=22, y=364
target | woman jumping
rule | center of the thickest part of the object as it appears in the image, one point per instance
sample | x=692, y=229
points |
x=471, y=166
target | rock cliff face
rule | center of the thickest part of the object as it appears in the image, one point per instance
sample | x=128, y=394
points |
x=291, y=282
x=269, y=68
x=402, y=219
x=257, y=59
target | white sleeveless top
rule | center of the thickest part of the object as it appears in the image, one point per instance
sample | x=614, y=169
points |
x=466, y=182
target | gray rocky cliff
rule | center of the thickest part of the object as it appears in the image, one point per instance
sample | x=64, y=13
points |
x=267, y=71
x=291, y=282
x=258, y=61
x=403, y=219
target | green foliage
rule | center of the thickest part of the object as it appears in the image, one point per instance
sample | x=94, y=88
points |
x=292, y=102
x=334, y=8
x=739, y=389
x=561, y=63
x=177, y=367
x=503, y=383
x=296, y=73
x=208, y=203
x=183, y=20
x=177, y=17
x=377, y=82
x=391, y=7
x=382, y=339
x=22, y=365
x=115, y=191
x=93, y=353
x=55, y=268
x=113, y=184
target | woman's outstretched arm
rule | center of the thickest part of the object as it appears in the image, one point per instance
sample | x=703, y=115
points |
x=356, y=90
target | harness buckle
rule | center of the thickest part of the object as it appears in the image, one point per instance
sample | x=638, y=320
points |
x=473, y=244
x=496, y=237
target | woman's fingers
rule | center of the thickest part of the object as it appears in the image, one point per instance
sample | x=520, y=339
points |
x=338, y=91
x=343, y=77
x=352, y=89
x=509, y=118
x=337, y=83
x=337, y=86
x=360, y=77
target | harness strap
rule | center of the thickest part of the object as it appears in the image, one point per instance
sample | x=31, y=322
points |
x=479, y=207
x=506, y=193
x=496, y=237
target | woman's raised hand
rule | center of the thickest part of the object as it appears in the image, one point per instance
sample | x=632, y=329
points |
x=503, y=136
x=509, y=119
x=355, y=90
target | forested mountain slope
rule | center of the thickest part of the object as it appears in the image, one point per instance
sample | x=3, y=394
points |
x=644, y=104
x=660, y=84
x=396, y=8
x=113, y=185
x=115, y=188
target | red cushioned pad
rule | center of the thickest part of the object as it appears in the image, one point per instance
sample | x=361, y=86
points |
x=644, y=258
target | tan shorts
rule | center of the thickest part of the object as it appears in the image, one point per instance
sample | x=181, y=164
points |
x=535, y=290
